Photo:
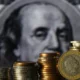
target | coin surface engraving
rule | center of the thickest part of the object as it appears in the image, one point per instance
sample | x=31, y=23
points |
x=69, y=65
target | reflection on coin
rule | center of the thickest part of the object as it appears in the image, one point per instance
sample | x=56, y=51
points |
x=47, y=69
x=25, y=71
x=69, y=65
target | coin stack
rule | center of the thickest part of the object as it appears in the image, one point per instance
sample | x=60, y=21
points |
x=25, y=71
x=4, y=73
x=48, y=66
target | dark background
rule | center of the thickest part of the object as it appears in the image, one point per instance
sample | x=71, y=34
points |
x=74, y=2
x=6, y=1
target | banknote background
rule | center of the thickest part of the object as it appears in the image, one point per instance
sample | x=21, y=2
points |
x=75, y=3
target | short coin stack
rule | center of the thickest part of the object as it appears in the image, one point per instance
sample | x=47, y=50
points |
x=48, y=66
x=25, y=71
x=4, y=74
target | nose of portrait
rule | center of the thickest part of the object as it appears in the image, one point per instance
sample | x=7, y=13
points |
x=53, y=43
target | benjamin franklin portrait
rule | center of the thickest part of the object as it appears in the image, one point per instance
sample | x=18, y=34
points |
x=30, y=27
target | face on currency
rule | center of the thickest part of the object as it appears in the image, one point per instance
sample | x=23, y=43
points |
x=43, y=30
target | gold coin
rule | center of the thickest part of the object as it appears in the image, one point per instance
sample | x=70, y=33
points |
x=51, y=54
x=24, y=71
x=4, y=73
x=69, y=65
x=24, y=63
x=78, y=79
x=50, y=78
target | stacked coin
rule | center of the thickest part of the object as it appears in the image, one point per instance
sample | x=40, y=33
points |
x=25, y=71
x=4, y=73
x=48, y=66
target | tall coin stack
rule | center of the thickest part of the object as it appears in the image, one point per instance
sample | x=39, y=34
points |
x=48, y=66
x=4, y=73
x=25, y=71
